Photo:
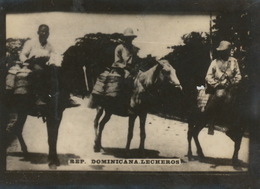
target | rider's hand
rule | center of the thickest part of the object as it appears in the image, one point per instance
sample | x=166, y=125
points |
x=30, y=60
x=37, y=67
x=223, y=77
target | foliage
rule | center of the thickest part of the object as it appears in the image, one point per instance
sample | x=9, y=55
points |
x=13, y=48
x=234, y=27
x=191, y=61
x=95, y=52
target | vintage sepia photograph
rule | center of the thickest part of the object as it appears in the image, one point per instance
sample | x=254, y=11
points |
x=126, y=92
x=129, y=92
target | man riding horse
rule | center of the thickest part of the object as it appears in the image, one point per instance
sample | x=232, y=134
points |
x=39, y=53
x=44, y=90
x=226, y=99
x=114, y=82
x=222, y=78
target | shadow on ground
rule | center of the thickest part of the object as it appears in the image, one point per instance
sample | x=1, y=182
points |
x=135, y=153
x=219, y=162
x=42, y=158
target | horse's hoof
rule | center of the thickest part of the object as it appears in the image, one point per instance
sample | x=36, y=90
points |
x=236, y=164
x=201, y=158
x=97, y=148
x=238, y=168
x=54, y=161
x=142, y=152
x=57, y=162
x=127, y=147
x=26, y=155
x=52, y=166
x=190, y=158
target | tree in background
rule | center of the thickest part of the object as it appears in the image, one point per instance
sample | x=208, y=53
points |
x=191, y=61
x=13, y=49
x=95, y=52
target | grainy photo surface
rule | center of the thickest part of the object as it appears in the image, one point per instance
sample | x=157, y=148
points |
x=127, y=92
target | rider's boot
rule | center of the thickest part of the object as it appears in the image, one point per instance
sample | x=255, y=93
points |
x=211, y=129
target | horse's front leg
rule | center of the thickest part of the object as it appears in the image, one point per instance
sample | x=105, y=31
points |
x=100, y=111
x=97, y=145
x=53, y=125
x=235, y=161
x=19, y=129
x=196, y=132
x=131, y=123
x=189, y=137
x=142, y=117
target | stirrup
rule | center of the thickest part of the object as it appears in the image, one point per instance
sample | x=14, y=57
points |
x=211, y=130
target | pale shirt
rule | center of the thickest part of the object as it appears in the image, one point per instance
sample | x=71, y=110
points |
x=124, y=56
x=223, y=72
x=34, y=48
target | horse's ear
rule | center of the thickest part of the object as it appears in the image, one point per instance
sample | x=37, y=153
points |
x=163, y=62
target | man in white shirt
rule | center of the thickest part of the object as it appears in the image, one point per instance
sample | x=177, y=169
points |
x=38, y=51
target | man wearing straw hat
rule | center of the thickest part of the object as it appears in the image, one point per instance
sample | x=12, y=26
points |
x=112, y=82
x=125, y=53
x=223, y=73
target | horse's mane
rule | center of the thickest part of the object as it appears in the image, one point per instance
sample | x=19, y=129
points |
x=148, y=77
x=142, y=82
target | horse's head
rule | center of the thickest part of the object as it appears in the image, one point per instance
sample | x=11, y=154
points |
x=168, y=74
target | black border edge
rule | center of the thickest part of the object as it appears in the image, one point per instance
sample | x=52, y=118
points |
x=195, y=179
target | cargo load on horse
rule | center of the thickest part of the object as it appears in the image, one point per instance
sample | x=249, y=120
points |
x=108, y=84
x=17, y=79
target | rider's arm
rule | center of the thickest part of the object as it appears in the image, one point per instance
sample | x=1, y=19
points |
x=119, y=62
x=210, y=77
x=25, y=51
x=237, y=74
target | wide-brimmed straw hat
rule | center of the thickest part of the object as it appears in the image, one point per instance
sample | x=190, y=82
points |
x=129, y=33
x=224, y=45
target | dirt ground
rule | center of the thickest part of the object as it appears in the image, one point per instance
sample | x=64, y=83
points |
x=165, y=138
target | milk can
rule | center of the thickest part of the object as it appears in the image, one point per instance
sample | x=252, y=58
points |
x=21, y=80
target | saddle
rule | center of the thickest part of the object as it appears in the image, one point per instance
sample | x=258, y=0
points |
x=112, y=89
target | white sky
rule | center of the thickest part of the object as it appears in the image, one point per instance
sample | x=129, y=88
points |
x=155, y=32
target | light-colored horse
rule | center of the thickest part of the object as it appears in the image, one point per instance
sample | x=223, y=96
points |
x=145, y=84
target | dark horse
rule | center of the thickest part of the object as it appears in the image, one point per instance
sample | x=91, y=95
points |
x=19, y=106
x=144, y=84
x=233, y=116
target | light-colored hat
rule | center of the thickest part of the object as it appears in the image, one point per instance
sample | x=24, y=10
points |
x=129, y=33
x=224, y=45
